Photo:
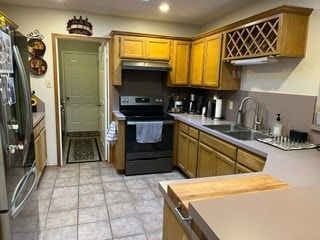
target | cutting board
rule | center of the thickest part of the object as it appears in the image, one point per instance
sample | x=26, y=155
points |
x=185, y=192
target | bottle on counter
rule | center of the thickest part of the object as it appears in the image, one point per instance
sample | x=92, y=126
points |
x=277, y=126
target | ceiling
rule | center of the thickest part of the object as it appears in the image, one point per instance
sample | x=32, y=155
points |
x=196, y=12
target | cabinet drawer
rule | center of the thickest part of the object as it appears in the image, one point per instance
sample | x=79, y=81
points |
x=38, y=128
x=250, y=160
x=193, y=132
x=219, y=145
x=183, y=127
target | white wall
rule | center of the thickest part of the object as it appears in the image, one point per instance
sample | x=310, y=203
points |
x=49, y=21
x=293, y=76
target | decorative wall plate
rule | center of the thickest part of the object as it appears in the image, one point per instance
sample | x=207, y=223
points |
x=37, y=66
x=36, y=47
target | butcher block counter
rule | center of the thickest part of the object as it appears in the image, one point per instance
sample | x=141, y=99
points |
x=246, y=206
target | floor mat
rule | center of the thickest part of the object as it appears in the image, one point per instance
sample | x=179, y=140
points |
x=83, y=134
x=83, y=150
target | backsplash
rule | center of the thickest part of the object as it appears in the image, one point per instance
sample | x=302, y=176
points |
x=297, y=111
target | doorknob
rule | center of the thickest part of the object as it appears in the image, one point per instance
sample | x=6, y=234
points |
x=68, y=98
x=98, y=105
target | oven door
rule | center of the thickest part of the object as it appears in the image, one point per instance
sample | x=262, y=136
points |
x=148, y=157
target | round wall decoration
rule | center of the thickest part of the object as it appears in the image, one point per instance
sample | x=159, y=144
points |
x=36, y=50
x=37, y=66
x=36, y=47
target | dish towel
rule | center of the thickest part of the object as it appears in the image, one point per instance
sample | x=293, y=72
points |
x=149, y=132
x=112, y=132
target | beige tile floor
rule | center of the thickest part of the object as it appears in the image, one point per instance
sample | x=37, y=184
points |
x=92, y=201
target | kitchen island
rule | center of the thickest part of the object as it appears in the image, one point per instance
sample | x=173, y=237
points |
x=282, y=214
x=247, y=208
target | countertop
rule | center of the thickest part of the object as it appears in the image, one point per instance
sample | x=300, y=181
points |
x=37, y=117
x=264, y=214
x=283, y=214
x=297, y=167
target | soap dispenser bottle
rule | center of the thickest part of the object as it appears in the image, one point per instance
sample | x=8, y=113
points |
x=277, y=126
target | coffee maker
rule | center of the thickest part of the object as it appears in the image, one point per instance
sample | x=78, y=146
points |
x=200, y=104
x=192, y=109
x=176, y=103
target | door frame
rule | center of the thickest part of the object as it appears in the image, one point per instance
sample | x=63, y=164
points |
x=55, y=37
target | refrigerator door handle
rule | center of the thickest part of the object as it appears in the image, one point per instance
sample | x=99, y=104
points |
x=15, y=210
x=26, y=100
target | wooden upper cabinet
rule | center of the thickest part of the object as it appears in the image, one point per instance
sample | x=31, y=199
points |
x=179, y=61
x=197, y=62
x=283, y=34
x=144, y=48
x=212, y=61
x=158, y=49
x=132, y=47
x=205, y=61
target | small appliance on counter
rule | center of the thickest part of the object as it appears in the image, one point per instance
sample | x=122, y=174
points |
x=192, y=104
x=177, y=103
x=213, y=108
x=200, y=104
x=196, y=103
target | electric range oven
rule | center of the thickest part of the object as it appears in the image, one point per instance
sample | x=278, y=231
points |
x=146, y=157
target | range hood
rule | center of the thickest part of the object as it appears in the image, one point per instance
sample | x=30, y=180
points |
x=146, y=66
x=255, y=61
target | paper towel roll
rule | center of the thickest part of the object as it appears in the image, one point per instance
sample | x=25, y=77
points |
x=217, y=113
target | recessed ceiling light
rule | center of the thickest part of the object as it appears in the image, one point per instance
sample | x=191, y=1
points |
x=164, y=7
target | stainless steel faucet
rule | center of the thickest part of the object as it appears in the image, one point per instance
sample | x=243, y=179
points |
x=256, y=122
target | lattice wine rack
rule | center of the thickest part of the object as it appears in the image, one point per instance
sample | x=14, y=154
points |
x=259, y=39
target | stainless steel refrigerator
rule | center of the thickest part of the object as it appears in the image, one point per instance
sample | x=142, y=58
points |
x=19, y=213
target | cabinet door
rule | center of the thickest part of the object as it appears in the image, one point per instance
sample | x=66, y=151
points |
x=192, y=157
x=212, y=61
x=206, y=157
x=171, y=226
x=250, y=160
x=132, y=47
x=241, y=169
x=37, y=150
x=183, y=151
x=197, y=61
x=43, y=149
x=157, y=49
x=224, y=165
x=119, y=147
x=180, y=63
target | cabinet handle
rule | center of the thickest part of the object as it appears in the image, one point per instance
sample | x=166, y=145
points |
x=178, y=211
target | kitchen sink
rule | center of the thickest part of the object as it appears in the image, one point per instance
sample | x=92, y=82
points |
x=238, y=131
x=227, y=127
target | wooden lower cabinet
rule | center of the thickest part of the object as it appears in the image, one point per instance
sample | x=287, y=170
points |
x=203, y=155
x=40, y=147
x=206, y=161
x=188, y=150
x=172, y=228
x=249, y=162
x=118, y=148
x=224, y=165
x=213, y=163
x=215, y=157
